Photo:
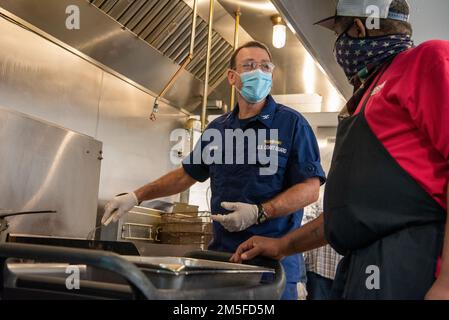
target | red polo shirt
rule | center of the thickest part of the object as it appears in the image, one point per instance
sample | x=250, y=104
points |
x=409, y=114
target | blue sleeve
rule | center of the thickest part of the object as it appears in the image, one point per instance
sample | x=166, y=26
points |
x=194, y=165
x=304, y=162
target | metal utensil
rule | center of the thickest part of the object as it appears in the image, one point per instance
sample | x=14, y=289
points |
x=9, y=213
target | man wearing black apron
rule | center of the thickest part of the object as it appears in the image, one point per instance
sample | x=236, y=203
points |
x=385, y=203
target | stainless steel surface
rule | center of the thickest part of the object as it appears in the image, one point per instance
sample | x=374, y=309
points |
x=163, y=34
x=190, y=274
x=140, y=224
x=322, y=119
x=46, y=166
x=136, y=150
x=119, y=247
x=47, y=81
x=189, y=57
x=145, y=226
x=41, y=79
x=166, y=26
x=49, y=269
x=148, y=249
x=33, y=29
x=302, y=14
x=104, y=40
x=172, y=273
x=139, y=231
x=181, y=265
x=9, y=213
x=223, y=22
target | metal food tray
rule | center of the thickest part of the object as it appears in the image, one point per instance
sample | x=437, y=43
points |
x=105, y=275
x=188, y=274
x=190, y=265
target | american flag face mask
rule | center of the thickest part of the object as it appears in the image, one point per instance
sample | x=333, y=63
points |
x=355, y=55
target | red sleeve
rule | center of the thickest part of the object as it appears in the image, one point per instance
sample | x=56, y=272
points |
x=428, y=96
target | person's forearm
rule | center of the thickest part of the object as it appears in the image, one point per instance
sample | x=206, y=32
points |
x=172, y=183
x=296, y=198
x=310, y=236
x=445, y=258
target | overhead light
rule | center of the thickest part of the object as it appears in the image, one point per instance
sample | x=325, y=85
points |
x=279, y=32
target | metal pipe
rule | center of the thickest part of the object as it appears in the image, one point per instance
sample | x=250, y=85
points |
x=184, y=64
x=175, y=76
x=192, y=39
x=236, y=44
x=206, y=80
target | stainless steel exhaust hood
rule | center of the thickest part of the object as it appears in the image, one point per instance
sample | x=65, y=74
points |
x=144, y=41
x=165, y=25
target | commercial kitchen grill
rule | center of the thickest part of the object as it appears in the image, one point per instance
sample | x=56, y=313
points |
x=38, y=272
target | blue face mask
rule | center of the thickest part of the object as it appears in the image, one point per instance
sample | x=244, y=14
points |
x=256, y=85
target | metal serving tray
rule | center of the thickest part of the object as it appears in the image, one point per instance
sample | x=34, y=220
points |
x=189, y=274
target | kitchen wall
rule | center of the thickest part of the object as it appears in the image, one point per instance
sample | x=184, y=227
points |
x=429, y=19
x=42, y=79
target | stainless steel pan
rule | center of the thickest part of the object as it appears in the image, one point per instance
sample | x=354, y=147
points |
x=188, y=273
x=142, y=278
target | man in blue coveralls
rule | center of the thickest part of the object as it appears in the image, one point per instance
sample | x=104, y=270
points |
x=263, y=161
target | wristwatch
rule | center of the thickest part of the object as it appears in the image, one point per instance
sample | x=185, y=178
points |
x=262, y=215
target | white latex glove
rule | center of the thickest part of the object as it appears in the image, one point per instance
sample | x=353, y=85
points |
x=118, y=207
x=244, y=215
